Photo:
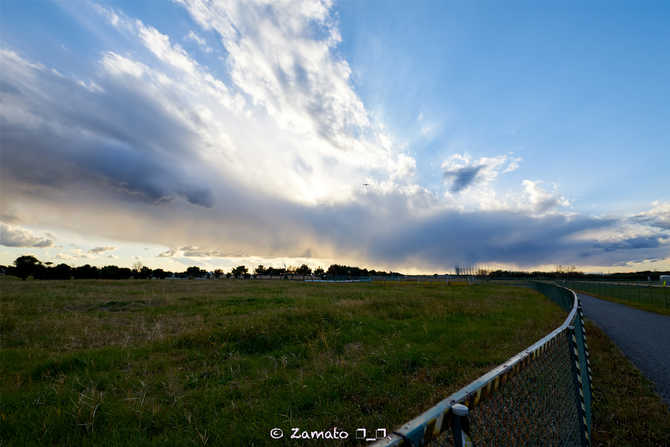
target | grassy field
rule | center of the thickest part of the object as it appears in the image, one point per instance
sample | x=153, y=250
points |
x=223, y=362
x=626, y=410
x=651, y=299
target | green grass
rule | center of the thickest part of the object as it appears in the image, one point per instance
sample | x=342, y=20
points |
x=223, y=362
x=651, y=299
x=626, y=410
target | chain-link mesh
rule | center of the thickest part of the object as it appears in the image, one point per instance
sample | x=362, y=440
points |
x=529, y=407
x=542, y=396
x=535, y=407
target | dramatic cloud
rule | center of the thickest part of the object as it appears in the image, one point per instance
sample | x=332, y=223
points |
x=265, y=156
x=13, y=236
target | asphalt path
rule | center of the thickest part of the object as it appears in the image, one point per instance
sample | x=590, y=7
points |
x=644, y=337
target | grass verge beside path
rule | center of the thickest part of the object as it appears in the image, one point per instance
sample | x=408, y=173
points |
x=626, y=410
x=658, y=308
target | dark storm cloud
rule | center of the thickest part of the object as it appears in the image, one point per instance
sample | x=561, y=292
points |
x=385, y=230
x=461, y=178
x=116, y=137
x=631, y=243
x=55, y=160
x=452, y=237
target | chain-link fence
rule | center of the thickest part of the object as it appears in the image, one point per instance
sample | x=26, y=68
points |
x=541, y=396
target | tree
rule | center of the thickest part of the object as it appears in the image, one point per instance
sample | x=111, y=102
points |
x=271, y=271
x=115, y=272
x=336, y=270
x=319, y=271
x=218, y=273
x=160, y=274
x=303, y=270
x=195, y=272
x=61, y=271
x=26, y=266
x=86, y=272
x=137, y=267
x=260, y=270
x=239, y=271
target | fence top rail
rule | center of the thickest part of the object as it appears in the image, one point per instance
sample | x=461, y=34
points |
x=415, y=428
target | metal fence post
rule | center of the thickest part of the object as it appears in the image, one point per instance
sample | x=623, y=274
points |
x=587, y=365
x=460, y=425
x=579, y=386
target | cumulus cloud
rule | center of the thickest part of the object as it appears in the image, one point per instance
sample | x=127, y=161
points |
x=658, y=216
x=461, y=171
x=14, y=236
x=198, y=252
x=462, y=177
x=99, y=250
x=79, y=253
x=541, y=200
x=168, y=253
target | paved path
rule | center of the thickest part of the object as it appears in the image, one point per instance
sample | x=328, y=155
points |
x=643, y=336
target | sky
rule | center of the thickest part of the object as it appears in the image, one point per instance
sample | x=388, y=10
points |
x=412, y=136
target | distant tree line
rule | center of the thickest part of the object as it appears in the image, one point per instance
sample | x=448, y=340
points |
x=29, y=266
x=577, y=276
